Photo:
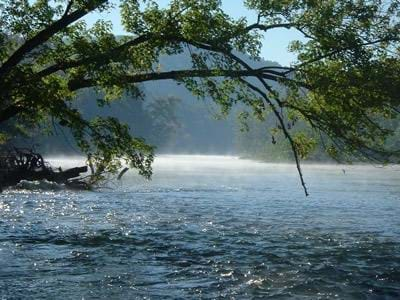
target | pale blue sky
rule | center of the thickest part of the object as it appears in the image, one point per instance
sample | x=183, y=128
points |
x=275, y=42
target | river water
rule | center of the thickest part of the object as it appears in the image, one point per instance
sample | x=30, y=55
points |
x=207, y=227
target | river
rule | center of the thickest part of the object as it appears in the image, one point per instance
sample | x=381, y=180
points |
x=207, y=227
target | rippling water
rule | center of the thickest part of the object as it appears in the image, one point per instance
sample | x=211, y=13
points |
x=207, y=227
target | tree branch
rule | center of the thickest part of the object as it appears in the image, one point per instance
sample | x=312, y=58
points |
x=337, y=51
x=106, y=57
x=175, y=75
x=10, y=112
x=43, y=36
x=285, y=131
x=68, y=8
x=268, y=27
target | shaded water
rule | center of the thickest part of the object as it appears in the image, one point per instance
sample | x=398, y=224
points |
x=207, y=227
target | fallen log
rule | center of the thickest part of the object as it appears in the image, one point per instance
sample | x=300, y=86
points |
x=12, y=177
x=63, y=176
x=22, y=164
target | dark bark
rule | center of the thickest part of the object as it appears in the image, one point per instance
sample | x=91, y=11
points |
x=176, y=75
x=10, y=112
x=43, y=36
x=13, y=177
x=21, y=164
x=101, y=58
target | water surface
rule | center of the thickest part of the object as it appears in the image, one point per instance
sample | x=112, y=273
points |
x=207, y=227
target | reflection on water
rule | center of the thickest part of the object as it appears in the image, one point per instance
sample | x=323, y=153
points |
x=207, y=227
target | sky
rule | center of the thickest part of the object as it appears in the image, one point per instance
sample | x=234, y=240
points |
x=275, y=42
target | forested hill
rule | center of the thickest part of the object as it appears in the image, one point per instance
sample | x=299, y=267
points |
x=168, y=116
x=172, y=119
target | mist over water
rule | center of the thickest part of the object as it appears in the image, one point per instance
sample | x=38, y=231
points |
x=207, y=227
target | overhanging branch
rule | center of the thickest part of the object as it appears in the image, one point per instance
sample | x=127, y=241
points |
x=269, y=27
x=175, y=75
x=284, y=129
x=43, y=36
x=102, y=57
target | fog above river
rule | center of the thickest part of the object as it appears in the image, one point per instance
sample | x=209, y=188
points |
x=232, y=171
x=207, y=163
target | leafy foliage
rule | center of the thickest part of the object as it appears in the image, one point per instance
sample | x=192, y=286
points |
x=344, y=84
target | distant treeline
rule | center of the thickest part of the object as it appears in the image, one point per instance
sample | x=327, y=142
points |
x=260, y=141
x=176, y=122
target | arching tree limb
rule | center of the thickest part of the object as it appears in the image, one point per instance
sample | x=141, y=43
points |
x=43, y=36
x=284, y=129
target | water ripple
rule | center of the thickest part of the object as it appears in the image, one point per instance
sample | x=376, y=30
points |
x=198, y=237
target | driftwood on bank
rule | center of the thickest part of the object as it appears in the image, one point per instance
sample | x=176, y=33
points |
x=24, y=164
